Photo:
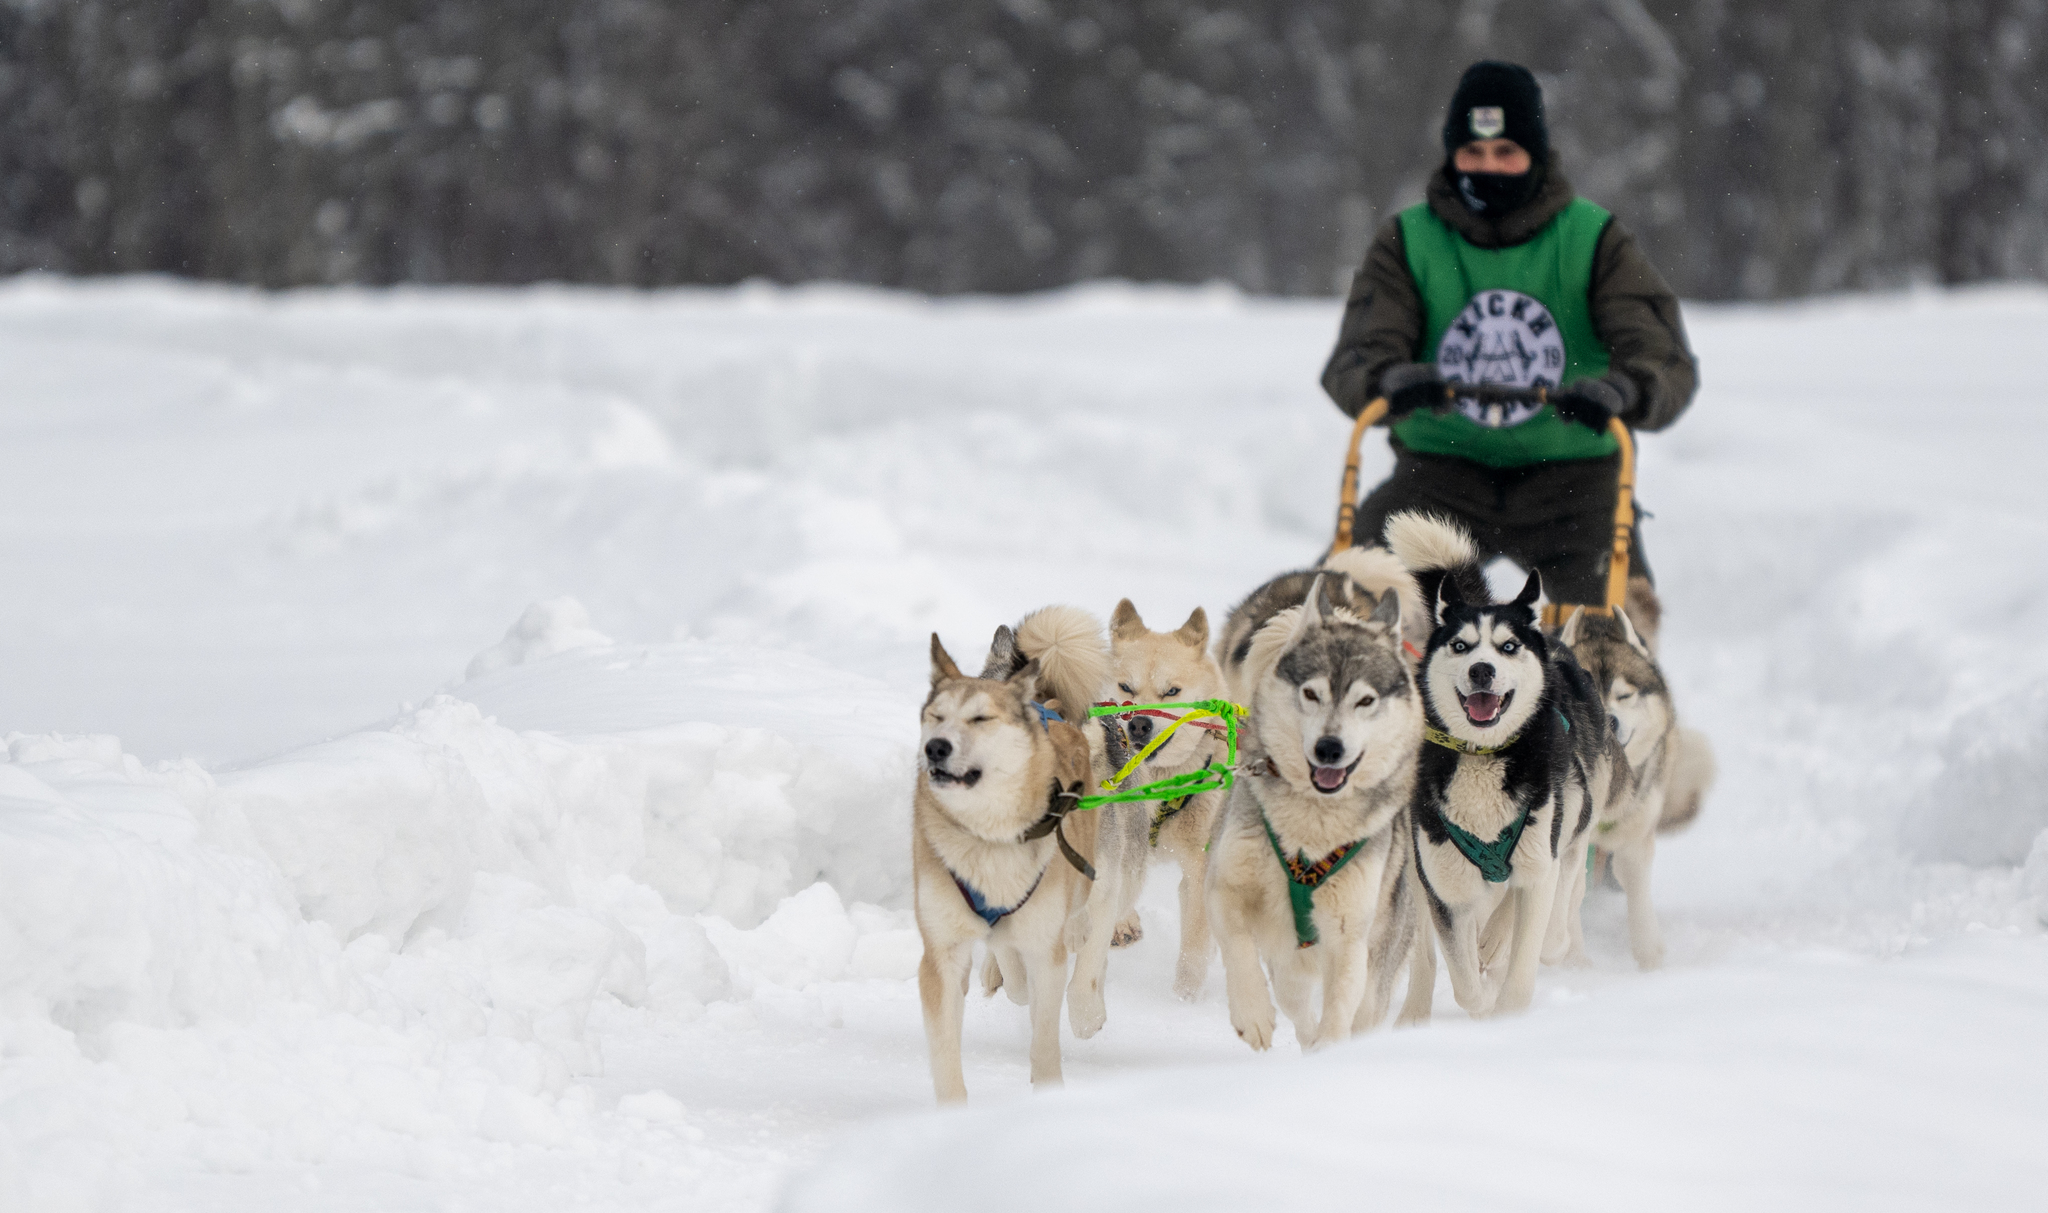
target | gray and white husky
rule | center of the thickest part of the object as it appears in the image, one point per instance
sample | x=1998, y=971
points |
x=1672, y=768
x=1309, y=868
x=1519, y=760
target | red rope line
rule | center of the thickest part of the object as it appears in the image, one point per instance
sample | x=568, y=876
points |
x=1210, y=725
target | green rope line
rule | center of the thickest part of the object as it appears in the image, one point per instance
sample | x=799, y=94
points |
x=1173, y=787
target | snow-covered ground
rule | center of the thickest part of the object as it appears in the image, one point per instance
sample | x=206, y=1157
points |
x=515, y=691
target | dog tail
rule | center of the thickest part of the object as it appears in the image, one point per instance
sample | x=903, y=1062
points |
x=1433, y=548
x=1073, y=655
x=1691, y=774
x=1380, y=571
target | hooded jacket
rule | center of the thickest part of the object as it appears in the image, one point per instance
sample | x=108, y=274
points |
x=1634, y=311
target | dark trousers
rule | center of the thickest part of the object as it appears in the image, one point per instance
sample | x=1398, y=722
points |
x=1554, y=518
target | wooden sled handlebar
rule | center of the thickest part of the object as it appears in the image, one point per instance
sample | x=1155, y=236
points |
x=1624, y=497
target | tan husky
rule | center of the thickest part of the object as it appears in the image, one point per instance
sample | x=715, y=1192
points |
x=1152, y=667
x=994, y=857
x=1673, y=768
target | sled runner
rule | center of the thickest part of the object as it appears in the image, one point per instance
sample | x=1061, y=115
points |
x=1625, y=488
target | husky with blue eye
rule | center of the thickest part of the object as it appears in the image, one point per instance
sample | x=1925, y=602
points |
x=1519, y=761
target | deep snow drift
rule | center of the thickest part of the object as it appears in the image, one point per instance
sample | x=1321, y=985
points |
x=515, y=695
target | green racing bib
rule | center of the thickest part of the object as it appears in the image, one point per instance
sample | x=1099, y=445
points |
x=1517, y=316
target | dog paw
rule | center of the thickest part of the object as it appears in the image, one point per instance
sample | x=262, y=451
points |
x=1086, y=1013
x=1187, y=983
x=1255, y=1030
x=1650, y=956
x=1127, y=932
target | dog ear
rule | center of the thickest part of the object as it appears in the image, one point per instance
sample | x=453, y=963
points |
x=1124, y=622
x=1532, y=589
x=1026, y=679
x=1195, y=632
x=1388, y=613
x=942, y=663
x=1312, y=606
x=1448, y=598
x=1629, y=633
x=1003, y=655
x=1569, y=636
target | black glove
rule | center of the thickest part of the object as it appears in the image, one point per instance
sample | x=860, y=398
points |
x=1594, y=402
x=1409, y=386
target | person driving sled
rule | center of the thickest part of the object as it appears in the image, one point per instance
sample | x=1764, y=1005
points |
x=1505, y=276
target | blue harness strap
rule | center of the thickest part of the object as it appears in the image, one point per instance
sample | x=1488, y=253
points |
x=993, y=914
x=1045, y=715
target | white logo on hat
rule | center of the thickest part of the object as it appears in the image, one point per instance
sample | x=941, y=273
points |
x=1488, y=121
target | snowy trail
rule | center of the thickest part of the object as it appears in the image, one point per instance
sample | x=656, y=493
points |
x=616, y=918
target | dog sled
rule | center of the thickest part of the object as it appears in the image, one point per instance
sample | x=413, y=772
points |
x=1625, y=488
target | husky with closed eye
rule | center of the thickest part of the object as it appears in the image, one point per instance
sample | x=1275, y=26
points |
x=1309, y=870
x=1672, y=769
x=994, y=858
x=1519, y=760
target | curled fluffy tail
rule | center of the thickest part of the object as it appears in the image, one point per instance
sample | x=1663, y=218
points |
x=1690, y=776
x=1072, y=653
x=1433, y=548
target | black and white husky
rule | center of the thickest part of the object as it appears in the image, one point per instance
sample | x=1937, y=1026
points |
x=1518, y=756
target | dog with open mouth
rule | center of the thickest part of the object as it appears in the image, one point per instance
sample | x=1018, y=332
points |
x=998, y=854
x=1519, y=760
x=1309, y=865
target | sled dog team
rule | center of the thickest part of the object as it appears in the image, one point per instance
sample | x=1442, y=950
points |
x=1422, y=767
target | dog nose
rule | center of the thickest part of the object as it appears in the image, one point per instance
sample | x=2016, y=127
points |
x=1140, y=729
x=1481, y=674
x=937, y=751
x=1329, y=750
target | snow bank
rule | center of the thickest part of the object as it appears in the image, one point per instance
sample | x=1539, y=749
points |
x=557, y=625
x=1990, y=802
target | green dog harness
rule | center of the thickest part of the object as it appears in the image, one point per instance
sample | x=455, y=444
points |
x=1495, y=860
x=1304, y=878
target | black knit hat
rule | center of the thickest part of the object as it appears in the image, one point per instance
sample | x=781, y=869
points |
x=1497, y=100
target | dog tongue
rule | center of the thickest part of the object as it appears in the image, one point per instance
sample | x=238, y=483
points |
x=1329, y=779
x=1482, y=706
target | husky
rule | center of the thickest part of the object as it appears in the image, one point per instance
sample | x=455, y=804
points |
x=994, y=855
x=1309, y=868
x=1519, y=761
x=1153, y=667
x=1671, y=767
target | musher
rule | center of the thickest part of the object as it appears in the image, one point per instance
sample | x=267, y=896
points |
x=1506, y=276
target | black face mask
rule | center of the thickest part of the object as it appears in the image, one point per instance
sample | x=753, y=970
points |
x=1496, y=194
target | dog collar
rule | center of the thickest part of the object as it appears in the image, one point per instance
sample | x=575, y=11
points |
x=1438, y=737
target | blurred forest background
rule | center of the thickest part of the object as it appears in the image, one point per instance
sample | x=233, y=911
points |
x=1761, y=148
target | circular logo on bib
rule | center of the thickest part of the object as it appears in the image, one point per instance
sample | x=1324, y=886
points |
x=1502, y=337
